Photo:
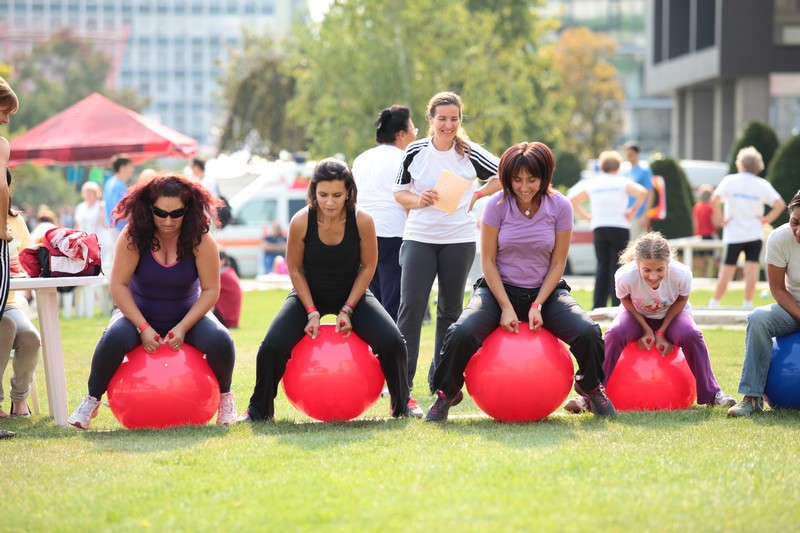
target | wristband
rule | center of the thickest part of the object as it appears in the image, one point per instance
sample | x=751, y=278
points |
x=346, y=309
x=311, y=308
x=536, y=305
x=313, y=313
x=143, y=327
x=660, y=333
x=479, y=194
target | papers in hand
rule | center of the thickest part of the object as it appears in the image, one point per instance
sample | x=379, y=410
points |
x=451, y=189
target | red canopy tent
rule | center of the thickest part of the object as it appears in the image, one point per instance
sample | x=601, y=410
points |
x=93, y=131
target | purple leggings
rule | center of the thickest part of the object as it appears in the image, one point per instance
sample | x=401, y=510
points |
x=682, y=332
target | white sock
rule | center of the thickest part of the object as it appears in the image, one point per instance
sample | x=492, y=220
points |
x=713, y=303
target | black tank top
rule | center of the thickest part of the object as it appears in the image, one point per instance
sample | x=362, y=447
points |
x=331, y=270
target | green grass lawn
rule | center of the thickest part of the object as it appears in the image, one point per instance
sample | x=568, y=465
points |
x=692, y=470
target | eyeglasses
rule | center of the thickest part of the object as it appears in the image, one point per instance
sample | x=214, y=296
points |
x=160, y=213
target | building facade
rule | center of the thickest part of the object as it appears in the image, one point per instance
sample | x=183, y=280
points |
x=724, y=62
x=165, y=50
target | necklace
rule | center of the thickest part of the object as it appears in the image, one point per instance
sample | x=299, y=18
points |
x=528, y=212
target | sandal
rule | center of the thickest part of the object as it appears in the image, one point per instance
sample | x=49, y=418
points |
x=3, y=414
x=26, y=415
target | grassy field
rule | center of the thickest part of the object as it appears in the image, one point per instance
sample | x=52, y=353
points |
x=692, y=470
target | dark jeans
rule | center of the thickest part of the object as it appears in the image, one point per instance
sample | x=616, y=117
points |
x=208, y=336
x=385, y=284
x=609, y=242
x=562, y=317
x=370, y=321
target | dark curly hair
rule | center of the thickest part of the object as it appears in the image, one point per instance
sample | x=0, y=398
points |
x=137, y=204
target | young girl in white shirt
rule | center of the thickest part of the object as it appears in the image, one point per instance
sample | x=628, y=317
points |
x=653, y=289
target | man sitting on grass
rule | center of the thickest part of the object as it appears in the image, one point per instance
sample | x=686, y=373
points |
x=778, y=319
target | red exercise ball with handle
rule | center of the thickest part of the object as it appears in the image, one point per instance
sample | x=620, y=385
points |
x=333, y=377
x=520, y=377
x=643, y=380
x=163, y=389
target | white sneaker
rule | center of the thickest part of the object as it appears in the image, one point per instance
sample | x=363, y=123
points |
x=82, y=417
x=713, y=304
x=227, y=409
x=747, y=305
x=723, y=400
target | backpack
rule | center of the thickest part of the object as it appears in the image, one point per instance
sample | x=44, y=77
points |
x=63, y=252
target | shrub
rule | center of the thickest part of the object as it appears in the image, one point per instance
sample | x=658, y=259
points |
x=568, y=170
x=784, y=173
x=760, y=136
x=678, y=222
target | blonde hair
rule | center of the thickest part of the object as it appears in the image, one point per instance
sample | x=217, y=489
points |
x=449, y=98
x=610, y=160
x=91, y=185
x=8, y=98
x=749, y=160
x=651, y=245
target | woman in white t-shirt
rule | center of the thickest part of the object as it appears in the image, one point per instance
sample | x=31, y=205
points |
x=435, y=242
x=744, y=195
x=90, y=217
x=374, y=172
x=654, y=291
x=610, y=219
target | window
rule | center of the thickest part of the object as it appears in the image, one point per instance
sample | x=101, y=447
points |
x=258, y=213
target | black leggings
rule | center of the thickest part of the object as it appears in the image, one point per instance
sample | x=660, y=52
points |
x=5, y=275
x=370, y=321
x=562, y=316
x=120, y=337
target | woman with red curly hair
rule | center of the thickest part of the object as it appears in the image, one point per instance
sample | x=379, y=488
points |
x=164, y=282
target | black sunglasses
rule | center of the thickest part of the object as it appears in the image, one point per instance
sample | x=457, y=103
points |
x=160, y=213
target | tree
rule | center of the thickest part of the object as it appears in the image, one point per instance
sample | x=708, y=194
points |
x=369, y=54
x=591, y=89
x=257, y=89
x=784, y=173
x=57, y=73
x=568, y=170
x=679, y=199
x=760, y=136
x=35, y=185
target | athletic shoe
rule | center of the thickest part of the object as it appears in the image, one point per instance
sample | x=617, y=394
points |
x=227, y=409
x=5, y=434
x=413, y=410
x=440, y=408
x=723, y=400
x=82, y=417
x=747, y=406
x=599, y=404
x=577, y=405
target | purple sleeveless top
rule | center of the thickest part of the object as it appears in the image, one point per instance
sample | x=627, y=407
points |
x=164, y=293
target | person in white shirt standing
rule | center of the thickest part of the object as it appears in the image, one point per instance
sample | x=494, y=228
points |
x=744, y=195
x=375, y=171
x=610, y=219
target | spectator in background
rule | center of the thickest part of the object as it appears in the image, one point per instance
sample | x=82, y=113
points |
x=610, y=219
x=705, y=227
x=375, y=171
x=274, y=246
x=90, y=217
x=744, y=195
x=45, y=219
x=66, y=217
x=114, y=189
x=228, y=308
x=643, y=176
x=199, y=173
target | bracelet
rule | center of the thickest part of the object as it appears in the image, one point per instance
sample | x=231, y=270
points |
x=536, y=305
x=313, y=313
x=346, y=309
x=479, y=194
x=143, y=327
x=660, y=333
x=311, y=308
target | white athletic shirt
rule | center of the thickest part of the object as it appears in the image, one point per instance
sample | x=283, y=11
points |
x=608, y=200
x=783, y=251
x=744, y=196
x=653, y=303
x=420, y=169
x=375, y=171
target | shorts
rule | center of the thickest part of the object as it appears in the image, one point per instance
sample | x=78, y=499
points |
x=751, y=251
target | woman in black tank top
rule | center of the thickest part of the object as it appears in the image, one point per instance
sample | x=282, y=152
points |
x=331, y=254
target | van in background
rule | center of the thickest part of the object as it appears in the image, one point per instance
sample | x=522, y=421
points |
x=255, y=208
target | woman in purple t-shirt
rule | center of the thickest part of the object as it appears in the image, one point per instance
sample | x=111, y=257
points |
x=164, y=282
x=525, y=235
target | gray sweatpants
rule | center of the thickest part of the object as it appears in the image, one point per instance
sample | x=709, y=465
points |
x=18, y=333
x=422, y=263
